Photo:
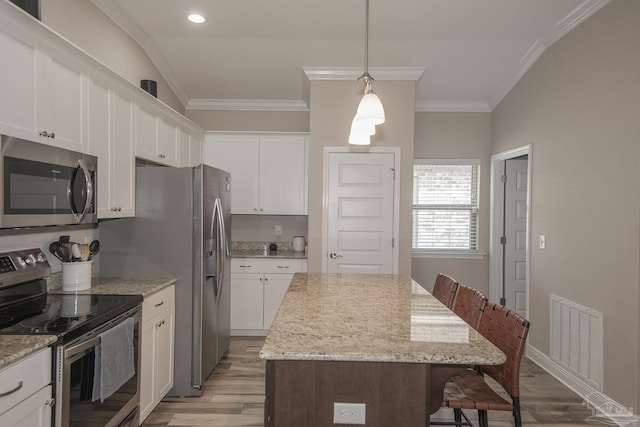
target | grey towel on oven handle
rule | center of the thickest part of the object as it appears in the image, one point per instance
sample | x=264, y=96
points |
x=114, y=359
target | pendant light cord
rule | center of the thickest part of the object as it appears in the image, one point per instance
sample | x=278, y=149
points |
x=366, y=39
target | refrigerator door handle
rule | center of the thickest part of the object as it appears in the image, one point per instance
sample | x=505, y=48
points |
x=220, y=267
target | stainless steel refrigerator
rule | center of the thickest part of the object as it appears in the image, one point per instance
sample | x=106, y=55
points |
x=181, y=229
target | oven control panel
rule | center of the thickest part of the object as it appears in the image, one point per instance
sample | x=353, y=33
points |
x=22, y=266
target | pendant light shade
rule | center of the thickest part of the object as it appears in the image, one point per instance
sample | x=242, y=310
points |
x=370, y=112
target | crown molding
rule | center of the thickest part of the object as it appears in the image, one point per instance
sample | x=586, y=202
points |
x=246, y=105
x=352, y=73
x=452, y=107
x=578, y=15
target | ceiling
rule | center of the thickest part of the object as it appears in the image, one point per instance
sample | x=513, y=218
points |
x=465, y=55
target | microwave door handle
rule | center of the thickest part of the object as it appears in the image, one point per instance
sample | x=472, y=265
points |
x=89, y=188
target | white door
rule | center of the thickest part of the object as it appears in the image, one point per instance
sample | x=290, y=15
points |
x=360, y=213
x=515, y=262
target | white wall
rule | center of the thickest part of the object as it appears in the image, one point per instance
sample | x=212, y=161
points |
x=579, y=106
x=457, y=136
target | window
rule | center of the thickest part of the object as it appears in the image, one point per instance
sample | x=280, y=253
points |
x=445, y=205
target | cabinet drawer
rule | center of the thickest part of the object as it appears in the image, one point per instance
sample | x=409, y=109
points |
x=158, y=302
x=25, y=377
x=267, y=265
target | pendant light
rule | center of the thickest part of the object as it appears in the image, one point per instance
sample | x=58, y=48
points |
x=370, y=111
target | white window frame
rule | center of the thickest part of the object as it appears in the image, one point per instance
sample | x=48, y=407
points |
x=451, y=253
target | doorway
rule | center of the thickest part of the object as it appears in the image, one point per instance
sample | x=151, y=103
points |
x=510, y=225
x=360, y=213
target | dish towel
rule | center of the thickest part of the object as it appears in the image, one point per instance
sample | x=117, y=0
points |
x=114, y=360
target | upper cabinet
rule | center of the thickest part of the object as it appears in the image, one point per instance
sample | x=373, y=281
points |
x=44, y=88
x=268, y=171
x=54, y=93
x=111, y=115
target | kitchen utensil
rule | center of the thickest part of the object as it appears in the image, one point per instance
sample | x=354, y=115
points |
x=94, y=248
x=84, y=251
x=54, y=248
x=75, y=251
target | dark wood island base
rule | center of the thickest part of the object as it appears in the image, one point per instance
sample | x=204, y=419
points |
x=303, y=392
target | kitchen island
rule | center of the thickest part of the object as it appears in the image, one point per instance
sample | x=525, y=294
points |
x=381, y=340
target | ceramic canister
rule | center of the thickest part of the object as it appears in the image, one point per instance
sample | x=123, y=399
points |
x=298, y=243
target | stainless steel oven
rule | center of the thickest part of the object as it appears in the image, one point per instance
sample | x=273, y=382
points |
x=45, y=185
x=75, y=395
x=92, y=331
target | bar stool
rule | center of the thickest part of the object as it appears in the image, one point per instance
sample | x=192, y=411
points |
x=444, y=289
x=469, y=305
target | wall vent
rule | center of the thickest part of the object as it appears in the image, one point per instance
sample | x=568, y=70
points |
x=576, y=340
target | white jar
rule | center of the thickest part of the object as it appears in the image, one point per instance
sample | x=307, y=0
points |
x=298, y=243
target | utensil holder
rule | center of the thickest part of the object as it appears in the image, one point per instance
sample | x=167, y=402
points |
x=76, y=276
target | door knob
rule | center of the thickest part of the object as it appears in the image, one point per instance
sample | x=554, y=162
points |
x=334, y=255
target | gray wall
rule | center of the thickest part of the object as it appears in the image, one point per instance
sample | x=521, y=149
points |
x=457, y=136
x=87, y=27
x=579, y=106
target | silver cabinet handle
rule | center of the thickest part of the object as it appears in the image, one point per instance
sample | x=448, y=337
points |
x=283, y=266
x=160, y=303
x=50, y=402
x=16, y=388
x=334, y=255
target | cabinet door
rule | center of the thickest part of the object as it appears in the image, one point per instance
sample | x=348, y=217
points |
x=17, y=82
x=183, y=147
x=195, y=150
x=35, y=411
x=275, y=286
x=246, y=301
x=147, y=368
x=282, y=175
x=167, y=142
x=237, y=155
x=99, y=141
x=146, y=136
x=62, y=107
x=122, y=165
x=164, y=353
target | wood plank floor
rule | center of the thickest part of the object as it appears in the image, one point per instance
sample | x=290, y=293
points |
x=234, y=396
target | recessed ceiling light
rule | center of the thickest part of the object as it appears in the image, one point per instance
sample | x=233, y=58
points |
x=196, y=18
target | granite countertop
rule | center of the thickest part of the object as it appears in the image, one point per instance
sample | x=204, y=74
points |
x=16, y=347
x=255, y=249
x=254, y=253
x=116, y=286
x=374, y=318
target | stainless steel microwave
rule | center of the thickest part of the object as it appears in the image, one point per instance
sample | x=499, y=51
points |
x=45, y=185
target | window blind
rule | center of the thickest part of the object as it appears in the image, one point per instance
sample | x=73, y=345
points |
x=445, y=205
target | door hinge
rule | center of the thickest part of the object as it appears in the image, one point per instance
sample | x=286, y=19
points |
x=503, y=240
x=393, y=242
x=503, y=178
x=394, y=172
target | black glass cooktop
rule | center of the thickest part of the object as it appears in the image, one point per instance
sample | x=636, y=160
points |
x=65, y=315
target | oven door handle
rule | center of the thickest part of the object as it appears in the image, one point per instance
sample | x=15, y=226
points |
x=88, y=187
x=80, y=347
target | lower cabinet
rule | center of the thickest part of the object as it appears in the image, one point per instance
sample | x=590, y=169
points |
x=156, y=371
x=25, y=392
x=258, y=286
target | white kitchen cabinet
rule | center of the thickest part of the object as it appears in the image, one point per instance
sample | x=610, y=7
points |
x=156, y=373
x=43, y=86
x=258, y=286
x=111, y=109
x=156, y=137
x=25, y=391
x=268, y=172
x=195, y=149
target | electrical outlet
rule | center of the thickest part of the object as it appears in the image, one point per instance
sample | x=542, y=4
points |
x=543, y=241
x=349, y=413
x=278, y=230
